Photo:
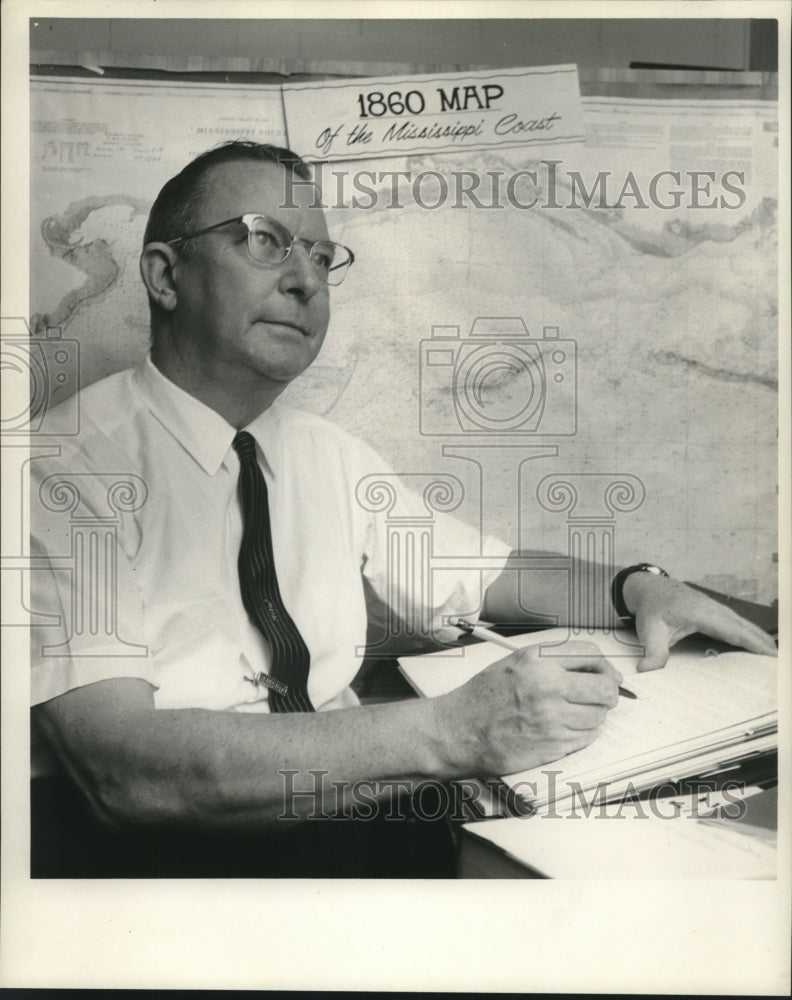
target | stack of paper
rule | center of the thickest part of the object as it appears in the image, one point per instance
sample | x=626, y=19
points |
x=624, y=846
x=702, y=713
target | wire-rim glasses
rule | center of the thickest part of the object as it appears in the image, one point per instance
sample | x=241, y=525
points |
x=270, y=243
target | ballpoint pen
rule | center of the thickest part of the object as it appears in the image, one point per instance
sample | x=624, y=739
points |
x=480, y=632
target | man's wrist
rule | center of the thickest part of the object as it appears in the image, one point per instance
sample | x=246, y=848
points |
x=443, y=742
x=624, y=582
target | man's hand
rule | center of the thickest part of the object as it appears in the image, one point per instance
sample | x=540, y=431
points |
x=527, y=709
x=667, y=610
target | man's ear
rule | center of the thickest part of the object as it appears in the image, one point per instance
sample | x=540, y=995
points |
x=157, y=263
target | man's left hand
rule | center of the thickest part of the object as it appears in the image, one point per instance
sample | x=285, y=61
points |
x=667, y=610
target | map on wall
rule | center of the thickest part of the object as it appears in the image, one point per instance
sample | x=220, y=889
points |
x=641, y=264
x=100, y=151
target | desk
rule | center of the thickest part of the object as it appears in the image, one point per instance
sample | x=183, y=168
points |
x=632, y=846
x=502, y=848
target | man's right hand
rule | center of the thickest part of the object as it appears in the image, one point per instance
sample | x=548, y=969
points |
x=526, y=709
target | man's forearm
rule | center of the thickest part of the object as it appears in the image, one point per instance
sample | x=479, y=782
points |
x=546, y=596
x=664, y=610
x=235, y=770
x=267, y=766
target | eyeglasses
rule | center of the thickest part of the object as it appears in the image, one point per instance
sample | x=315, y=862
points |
x=270, y=243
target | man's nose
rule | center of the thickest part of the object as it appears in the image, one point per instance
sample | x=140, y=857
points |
x=298, y=274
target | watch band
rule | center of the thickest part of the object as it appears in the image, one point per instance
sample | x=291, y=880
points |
x=617, y=586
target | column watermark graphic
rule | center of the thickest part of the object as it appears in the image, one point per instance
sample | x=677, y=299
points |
x=92, y=560
x=409, y=543
x=35, y=372
x=40, y=417
x=591, y=502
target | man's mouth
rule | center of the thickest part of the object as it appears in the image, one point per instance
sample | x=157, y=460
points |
x=288, y=323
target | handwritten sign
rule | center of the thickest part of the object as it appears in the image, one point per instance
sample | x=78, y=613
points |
x=363, y=118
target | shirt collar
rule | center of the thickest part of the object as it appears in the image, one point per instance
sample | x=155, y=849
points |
x=265, y=429
x=201, y=431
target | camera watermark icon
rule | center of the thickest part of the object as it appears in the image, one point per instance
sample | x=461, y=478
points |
x=38, y=373
x=498, y=380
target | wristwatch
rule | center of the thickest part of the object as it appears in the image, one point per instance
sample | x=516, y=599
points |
x=617, y=586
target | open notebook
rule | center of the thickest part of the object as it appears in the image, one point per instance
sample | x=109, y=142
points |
x=705, y=711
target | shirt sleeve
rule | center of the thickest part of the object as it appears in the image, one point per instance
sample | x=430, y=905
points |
x=86, y=611
x=423, y=562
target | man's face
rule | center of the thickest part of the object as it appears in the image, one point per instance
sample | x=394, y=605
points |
x=235, y=314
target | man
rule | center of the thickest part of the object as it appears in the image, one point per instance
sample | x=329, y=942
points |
x=171, y=736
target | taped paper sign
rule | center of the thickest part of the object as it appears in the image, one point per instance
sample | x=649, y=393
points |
x=405, y=115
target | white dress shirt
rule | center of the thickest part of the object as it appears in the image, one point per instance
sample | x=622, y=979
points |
x=169, y=610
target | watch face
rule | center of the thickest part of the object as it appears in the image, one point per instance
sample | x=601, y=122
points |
x=653, y=569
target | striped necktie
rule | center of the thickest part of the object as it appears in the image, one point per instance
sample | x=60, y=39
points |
x=290, y=659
